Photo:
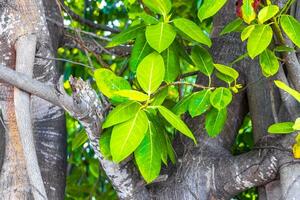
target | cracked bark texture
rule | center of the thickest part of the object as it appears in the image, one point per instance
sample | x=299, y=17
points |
x=206, y=171
x=49, y=125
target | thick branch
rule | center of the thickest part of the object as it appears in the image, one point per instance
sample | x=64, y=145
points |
x=89, y=110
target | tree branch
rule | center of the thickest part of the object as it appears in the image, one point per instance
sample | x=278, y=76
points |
x=86, y=22
x=89, y=110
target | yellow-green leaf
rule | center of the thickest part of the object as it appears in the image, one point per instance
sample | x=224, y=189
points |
x=203, y=60
x=281, y=128
x=291, y=27
x=248, y=12
x=132, y=95
x=214, y=121
x=210, y=8
x=269, y=63
x=160, y=36
x=162, y=7
x=259, y=40
x=247, y=32
x=228, y=71
x=148, y=154
x=232, y=26
x=121, y=113
x=220, y=98
x=267, y=13
x=297, y=125
x=289, y=90
x=126, y=137
x=151, y=72
x=176, y=122
x=192, y=30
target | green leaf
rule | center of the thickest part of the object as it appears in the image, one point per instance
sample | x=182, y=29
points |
x=182, y=106
x=203, y=60
x=160, y=97
x=125, y=36
x=259, y=40
x=170, y=149
x=121, y=113
x=215, y=121
x=296, y=125
x=126, y=137
x=284, y=49
x=176, y=122
x=210, y=8
x=162, y=7
x=224, y=77
x=160, y=36
x=289, y=90
x=104, y=143
x=172, y=64
x=267, y=13
x=248, y=12
x=148, y=155
x=133, y=95
x=148, y=19
x=79, y=140
x=108, y=82
x=232, y=26
x=140, y=50
x=291, y=27
x=192, y=30
x=199, y=103
x=269, y=63
x=281, y=128
x=151, y=72
x=228, y=71
x=221, y=98
x=247, y=32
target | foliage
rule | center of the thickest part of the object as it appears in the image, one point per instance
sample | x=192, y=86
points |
x=149, y=91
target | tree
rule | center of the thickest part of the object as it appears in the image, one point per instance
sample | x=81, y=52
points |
x=132, y=106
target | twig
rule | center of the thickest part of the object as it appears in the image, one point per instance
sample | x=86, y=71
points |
x=65, y=60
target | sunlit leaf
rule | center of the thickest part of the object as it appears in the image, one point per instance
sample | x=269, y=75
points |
x=148, y=154
x=121, y=113
x=288, y=89
x=126, y=35
x=160, y=36
x=210, y=8
x=259, y=40
x=199, y=103
x=151, y=72
x=232, y=26
x=228, y=71
x=176, y=122
x=193, y=31
x=291, y=27
x=104, y=143
x=139, y=51
x=172, y=64
x=215, y=121
x=247, y=32
x=126, y=137
x=220, y=98
x=267, y=13
x=162, y=7
x=281, y=128
x=203, y=60
x=132, y=95
x=269, y=63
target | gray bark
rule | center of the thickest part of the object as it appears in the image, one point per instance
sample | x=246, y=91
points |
x=205, y=171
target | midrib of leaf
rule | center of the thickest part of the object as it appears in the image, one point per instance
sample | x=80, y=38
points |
x=269, y=60
x=160, y=37
x=130, y=131
x=204, y=65
x=151, y=146
x=150, y=79
x=142, y=51
x=221, y=96
x=168, y=60
x=215, y=122
x=202, y=99
x=262, y=33
x=290, y=22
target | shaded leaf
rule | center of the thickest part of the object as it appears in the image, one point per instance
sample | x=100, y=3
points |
x=215, y=121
